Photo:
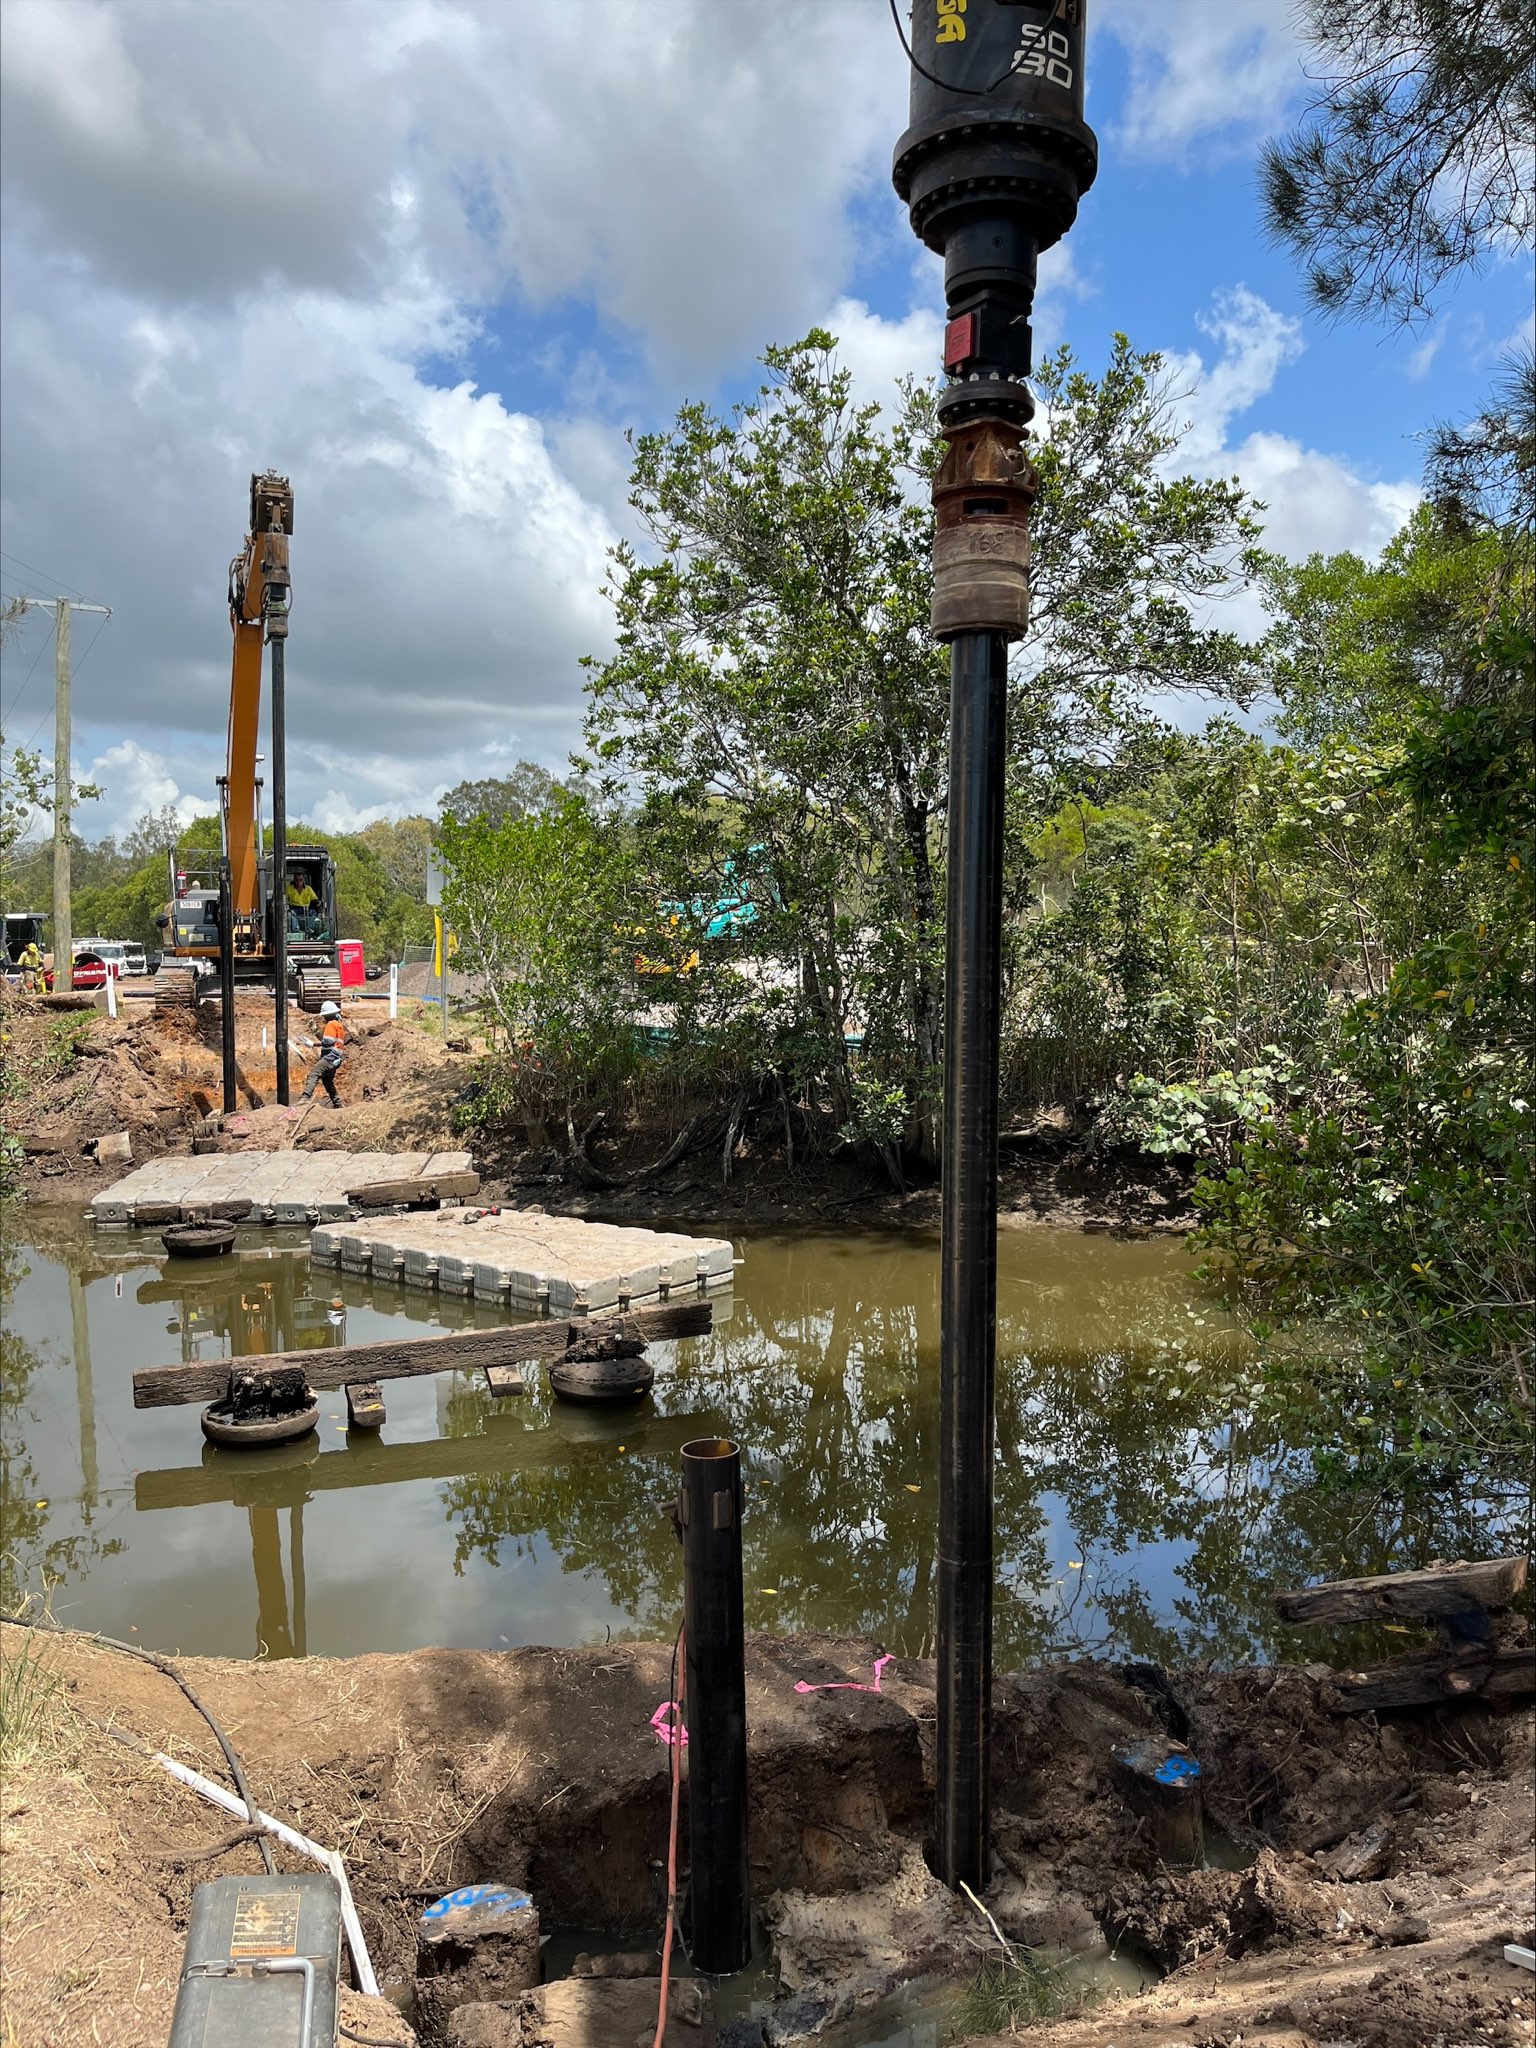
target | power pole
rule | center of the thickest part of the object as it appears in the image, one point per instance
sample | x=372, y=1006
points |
x=63, y=786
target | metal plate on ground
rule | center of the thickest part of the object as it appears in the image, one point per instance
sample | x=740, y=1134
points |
x=236, y=1923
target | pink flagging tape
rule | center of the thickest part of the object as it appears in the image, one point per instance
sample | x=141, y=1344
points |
x=667, y=1726
x=847, y=1685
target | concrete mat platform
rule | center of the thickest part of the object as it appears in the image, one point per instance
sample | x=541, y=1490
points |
x=282, y=1187
x=524, y=1259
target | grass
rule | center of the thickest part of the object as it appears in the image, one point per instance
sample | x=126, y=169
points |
x=1016, y=1987
x=1017, y=1990
x=28, y=1683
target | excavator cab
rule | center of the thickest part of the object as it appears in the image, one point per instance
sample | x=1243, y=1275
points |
x=190, y=923
x=307, y=903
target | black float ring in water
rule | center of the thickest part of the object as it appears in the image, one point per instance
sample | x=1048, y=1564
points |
x=220, y=1427
x=599, y=1382
x=198, y=1240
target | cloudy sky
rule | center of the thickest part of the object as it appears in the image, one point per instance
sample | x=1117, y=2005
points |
x=433, y=257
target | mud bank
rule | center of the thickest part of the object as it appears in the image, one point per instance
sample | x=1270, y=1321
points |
x=1048, y=1171
x=540, y=1768
x=75, y=1078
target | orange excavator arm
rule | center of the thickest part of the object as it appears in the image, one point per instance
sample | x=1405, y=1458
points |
x=258, y=611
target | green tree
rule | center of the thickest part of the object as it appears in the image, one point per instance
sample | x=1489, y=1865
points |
x=538, y=902
x=24, y=793
x=150, y=837
x=1415, y=159
x=401, y=845
x=777, y=706
x=1386, y=1195
x=497, y=798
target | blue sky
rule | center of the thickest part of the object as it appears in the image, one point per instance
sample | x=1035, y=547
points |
x=437, y=272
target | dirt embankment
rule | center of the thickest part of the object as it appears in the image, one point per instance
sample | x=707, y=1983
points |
x=75, y=1078
x=540, y=1768
x=1048, y=1171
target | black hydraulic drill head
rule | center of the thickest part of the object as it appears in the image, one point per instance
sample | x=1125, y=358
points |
x=994, y=160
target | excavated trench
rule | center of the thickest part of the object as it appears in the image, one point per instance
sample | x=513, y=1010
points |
x=859, y=1943
x=1387, y=1866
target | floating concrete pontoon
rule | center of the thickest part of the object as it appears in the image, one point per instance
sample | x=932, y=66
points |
x=524, y=1259
x=277, y=1187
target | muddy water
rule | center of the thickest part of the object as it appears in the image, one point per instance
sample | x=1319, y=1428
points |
x=1133, y=1514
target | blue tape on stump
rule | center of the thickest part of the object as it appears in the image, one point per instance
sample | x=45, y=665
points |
x=1176, y=1770
x=487, y=1898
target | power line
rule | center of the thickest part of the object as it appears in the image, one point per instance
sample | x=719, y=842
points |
x=44, y=642
x=80, y=664
x=61, y=589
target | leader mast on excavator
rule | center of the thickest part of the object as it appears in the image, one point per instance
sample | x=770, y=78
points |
x=296, y=913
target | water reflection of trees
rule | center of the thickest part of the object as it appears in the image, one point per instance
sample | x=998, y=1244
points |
x=1114, y=1453
x=32, y=1560
x=827, y=1376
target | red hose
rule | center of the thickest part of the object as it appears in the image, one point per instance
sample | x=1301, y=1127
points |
x=680, y=1660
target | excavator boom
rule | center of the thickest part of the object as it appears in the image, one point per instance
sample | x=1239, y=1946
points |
x=298, y=906
x=258, y=611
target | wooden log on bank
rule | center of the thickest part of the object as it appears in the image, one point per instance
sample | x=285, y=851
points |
x=1439, y=1678
x=1443, y=1589
x=1457, y=1600
x=166, y=1386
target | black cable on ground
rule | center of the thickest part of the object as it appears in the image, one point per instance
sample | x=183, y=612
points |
x=236, y=1769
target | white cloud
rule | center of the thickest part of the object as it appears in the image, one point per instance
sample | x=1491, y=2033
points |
x=1422, y=358
x=1217, y=73
x=226, y=251
x=1255, y=344
x=879, y=351
x=133, y=779
x=1317, y=502
x=446, y=572
x=682, y=165
x=1059, y=284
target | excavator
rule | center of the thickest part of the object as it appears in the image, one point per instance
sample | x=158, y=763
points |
x=305, y=896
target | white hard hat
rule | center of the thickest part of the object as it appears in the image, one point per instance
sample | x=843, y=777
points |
x=330, y=1009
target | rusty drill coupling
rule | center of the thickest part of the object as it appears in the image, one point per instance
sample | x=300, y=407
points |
x=982, y=496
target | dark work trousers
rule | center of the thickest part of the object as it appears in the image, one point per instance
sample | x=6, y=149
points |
x=324, y=1071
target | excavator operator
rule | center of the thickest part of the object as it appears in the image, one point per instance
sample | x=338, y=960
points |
x=303, y=905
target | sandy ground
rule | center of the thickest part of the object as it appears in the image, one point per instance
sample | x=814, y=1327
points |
x=539, y=1767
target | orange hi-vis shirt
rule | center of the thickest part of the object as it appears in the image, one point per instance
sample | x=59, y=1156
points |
x=333, y=1038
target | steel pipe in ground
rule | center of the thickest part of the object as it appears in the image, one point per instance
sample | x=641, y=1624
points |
x=709, y=1510
x=968, y=1252
x=227, y=985
x=279, y=898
